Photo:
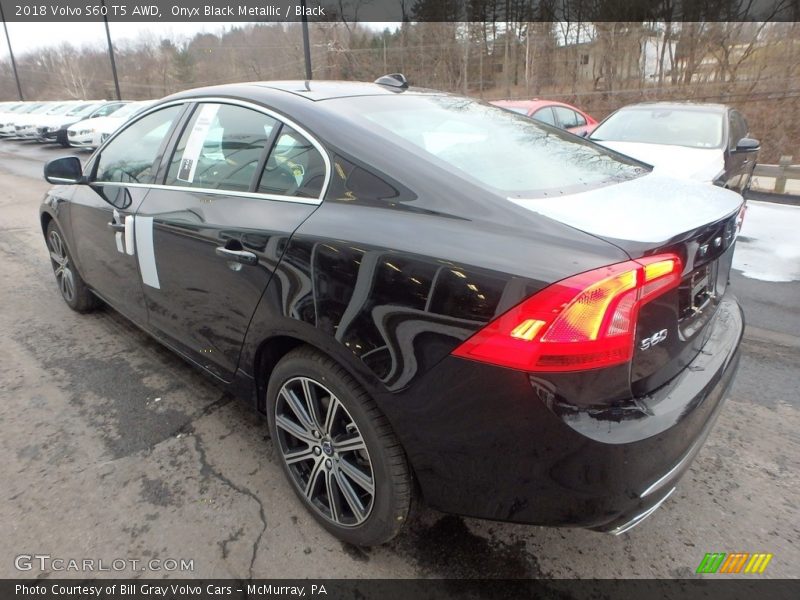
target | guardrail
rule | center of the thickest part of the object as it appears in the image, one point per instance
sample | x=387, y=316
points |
x=783, y=178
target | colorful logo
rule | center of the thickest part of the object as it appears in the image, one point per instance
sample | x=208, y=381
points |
x=736, y=562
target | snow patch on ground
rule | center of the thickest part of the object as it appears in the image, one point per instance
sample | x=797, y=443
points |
x=768, y=247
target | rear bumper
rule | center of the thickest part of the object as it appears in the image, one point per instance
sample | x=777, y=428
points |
x=497, y=444
x=658, y=490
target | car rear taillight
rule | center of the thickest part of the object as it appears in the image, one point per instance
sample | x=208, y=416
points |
x=587, y=321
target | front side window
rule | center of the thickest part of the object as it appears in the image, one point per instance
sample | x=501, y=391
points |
x=131, y=156
x=545, y=115
x=294, y=167
x=738, y=128
x=568, y=117
x=220, y=148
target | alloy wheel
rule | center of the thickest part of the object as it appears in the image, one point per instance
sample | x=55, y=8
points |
x=61, y=265
x=324, y=452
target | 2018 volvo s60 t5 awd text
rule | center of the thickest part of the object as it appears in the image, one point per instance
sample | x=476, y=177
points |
x=424, y=294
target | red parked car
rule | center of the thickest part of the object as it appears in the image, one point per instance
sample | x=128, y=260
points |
x=554, y=113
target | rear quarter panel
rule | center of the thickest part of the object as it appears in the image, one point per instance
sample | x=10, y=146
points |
x=390, y=285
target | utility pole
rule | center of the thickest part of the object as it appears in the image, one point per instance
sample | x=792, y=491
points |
x=11, y=54
x=306, y=44
x=111, y=53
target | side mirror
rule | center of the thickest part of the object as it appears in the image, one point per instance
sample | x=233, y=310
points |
x=64, y=171
x=747, y=145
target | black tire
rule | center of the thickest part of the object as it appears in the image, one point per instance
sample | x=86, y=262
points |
x=73, y=289
x=382, y=455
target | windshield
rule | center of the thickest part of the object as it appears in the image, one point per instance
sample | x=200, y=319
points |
x=654, y=125
x=501, y=150
x=130, y=109
x=82, y=109
x=59, y=109
x=40, y=108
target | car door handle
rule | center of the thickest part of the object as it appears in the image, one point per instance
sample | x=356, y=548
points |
x=117, y=226
x=241, y=256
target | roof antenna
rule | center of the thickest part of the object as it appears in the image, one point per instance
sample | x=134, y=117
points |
x=395, y=80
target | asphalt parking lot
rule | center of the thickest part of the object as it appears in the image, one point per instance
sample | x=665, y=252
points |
x=114, y=448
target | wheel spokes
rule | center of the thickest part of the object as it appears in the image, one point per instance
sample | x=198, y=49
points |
x=294, y=429
x=67, y=276
x=363, y=480
x=312, y=479
x=300, y=455
x=351, y=444
x=350, y=496
x=333, y=407
x=311, y=403
x=57, y=246
x=334, y=475
x=331, y=487
x=298, y=408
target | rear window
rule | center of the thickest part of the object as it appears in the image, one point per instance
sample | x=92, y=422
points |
x=676, y=127
x=500, y=150
x=516, y=109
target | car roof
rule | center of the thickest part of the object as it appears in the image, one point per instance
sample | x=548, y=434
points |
x=326, y=90
x=316, y=90
x=706, y=106
x=530, y=104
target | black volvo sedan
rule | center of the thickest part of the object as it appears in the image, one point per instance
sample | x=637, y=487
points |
x=425, y=295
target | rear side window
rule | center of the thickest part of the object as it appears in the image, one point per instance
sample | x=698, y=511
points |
x=220, y=148
x=354, y=183
x=130, y=156
x=294, y=167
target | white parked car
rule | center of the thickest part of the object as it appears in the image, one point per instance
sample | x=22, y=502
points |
x=9, y=109
x=27, y=129
x=93, y=132
x=56, y=129
x=8, y=120
x=701, y=142
x=6, y=107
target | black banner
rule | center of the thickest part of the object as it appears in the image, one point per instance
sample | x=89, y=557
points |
x=399, y=10
x=399, y=589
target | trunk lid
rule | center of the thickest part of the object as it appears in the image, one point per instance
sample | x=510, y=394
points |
x=699, y=164
x=654, y=215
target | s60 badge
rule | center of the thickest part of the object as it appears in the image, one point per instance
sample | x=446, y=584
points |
x=656, y=338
